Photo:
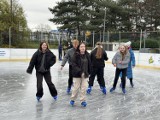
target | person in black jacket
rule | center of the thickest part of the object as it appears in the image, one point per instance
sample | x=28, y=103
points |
x=42, y=60
x=81, y=68
x=98, y=57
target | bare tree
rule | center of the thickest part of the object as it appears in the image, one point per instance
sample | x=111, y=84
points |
x=43, y=28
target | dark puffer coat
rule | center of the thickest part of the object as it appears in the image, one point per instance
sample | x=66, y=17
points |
x=98, y=63
x=50, y=60
x=76, y=65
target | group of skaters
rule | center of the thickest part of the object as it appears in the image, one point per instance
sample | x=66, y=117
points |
x=83, y=68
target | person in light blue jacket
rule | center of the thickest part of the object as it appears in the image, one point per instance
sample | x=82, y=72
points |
x=131, y=63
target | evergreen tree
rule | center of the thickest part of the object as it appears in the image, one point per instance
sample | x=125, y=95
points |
x=71, y=14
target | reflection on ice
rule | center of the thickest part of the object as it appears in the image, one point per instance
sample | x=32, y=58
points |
x=18, y=101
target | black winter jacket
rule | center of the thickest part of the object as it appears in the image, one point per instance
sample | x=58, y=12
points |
x=98, y=62
x=76, y=65
x=50, y=60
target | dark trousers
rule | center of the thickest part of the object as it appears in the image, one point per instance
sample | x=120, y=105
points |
x=123, y=79
x=100, y=73
x=131, y=80
x=70, y=79
x=60, y=55
x=47, y=77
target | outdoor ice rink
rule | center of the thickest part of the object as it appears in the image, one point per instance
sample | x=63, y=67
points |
x=18, y=100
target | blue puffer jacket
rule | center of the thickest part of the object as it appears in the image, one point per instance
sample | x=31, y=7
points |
x=130, y=64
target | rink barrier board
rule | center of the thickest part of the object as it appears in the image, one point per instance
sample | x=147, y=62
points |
x=143, y=60
x=108, y=62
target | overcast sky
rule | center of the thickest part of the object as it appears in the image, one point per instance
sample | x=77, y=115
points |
x=36, y=12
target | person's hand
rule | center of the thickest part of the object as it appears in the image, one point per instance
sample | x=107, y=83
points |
x=28, y=72
x=114, y=65
x=120, y=62
x=82, y=75
x=61, y=67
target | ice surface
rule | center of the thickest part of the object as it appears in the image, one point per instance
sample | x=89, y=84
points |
x=18, y=101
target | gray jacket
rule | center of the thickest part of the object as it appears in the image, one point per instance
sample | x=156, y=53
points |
x=68, y=57
x=118, y=57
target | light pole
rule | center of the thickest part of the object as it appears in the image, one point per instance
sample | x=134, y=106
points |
x=11, y=9
x=10, y=28
x=104, y=23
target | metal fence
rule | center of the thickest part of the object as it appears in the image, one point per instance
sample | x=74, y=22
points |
x=31, y=39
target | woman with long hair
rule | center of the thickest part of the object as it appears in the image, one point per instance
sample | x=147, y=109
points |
x=42, y=60
x=98, y=57
x=120, y=61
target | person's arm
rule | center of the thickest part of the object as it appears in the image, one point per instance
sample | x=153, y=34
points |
x=91, y=55
x=89, y=63
x=32, y=63
x=114, y=60
x=65, y=59
x=105, y=55
x=126, y=60
x=133, y=61
x=75, y=66
x=53, y=59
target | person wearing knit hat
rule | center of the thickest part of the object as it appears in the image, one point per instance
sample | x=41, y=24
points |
x=128, y=44
x=131, y=64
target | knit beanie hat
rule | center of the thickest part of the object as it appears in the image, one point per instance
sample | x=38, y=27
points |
x=128, y=43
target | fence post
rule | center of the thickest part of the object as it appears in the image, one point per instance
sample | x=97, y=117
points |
x=77, y=35
x=93, y=39
x=108, y=36
x=10, y=42
x=9, y=37
x=144, y=37
x=108, y=41
x=140, y=39
x=100, y=36
x=119, y=37
x=85, y=38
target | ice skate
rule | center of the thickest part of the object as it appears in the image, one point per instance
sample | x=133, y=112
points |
x=68, y=90
x=103, y=89
x=89, y=89
x=112, y=89
x=38, y=98
x=72, y=103
x=55, y=98
x=84, y=104
x=124, y=90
